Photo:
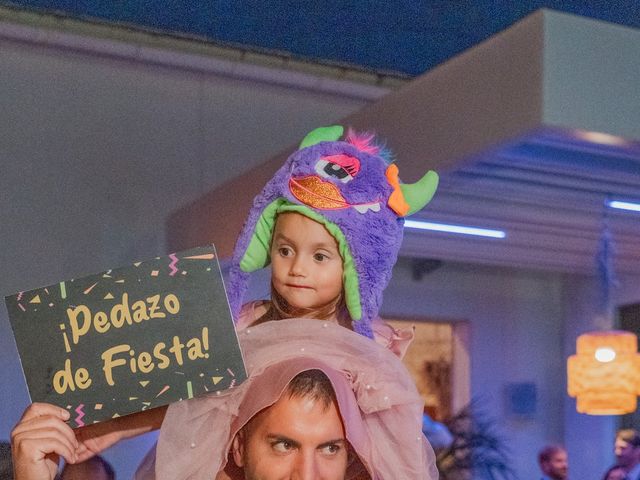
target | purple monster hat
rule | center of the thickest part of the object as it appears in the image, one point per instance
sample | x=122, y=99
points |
x=352, y=188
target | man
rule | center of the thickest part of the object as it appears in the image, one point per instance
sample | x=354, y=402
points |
x=627, y=450
x=553, y=462
x=321, y=403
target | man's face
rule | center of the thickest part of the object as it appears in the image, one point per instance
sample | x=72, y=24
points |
x=294, y=439
x=626, y=454
x=557, y=467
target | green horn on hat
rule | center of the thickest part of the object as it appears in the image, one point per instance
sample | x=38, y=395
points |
x=418, y=194
x=322, y=134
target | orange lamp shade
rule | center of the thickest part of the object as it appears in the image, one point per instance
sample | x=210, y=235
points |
x=604, y=375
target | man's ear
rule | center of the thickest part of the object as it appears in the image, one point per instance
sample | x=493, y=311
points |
x=237, y=448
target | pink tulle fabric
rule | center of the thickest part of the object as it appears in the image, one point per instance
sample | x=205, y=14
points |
x=379, y=404
x=395, y=339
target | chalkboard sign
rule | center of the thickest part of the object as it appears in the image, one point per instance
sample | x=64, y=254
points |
x=128, y=339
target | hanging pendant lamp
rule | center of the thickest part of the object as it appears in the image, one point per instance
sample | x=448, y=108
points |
x=604, y=376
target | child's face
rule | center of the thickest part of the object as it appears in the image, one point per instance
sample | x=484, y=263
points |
x=306, y=267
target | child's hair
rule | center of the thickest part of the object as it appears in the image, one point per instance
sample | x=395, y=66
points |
x=279, y=309
x=351, y=187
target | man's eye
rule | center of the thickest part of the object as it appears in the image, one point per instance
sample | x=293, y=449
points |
x=331, y=450
x=282, y=446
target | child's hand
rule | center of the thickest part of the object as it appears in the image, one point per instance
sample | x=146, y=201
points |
x=38, y=441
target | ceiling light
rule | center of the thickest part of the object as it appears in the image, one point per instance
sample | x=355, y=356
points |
x=624, y=205
x=602, y=138
x=443, y=227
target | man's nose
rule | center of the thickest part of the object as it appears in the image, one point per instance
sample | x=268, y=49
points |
x=305, y=467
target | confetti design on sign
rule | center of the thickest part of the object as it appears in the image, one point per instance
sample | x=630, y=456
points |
x=189, y=390
x=172, y=265
x=216, y=380
x=120, y=281
x=80, y=416
x=47, y=291
x=35, y=299
x=22, y=308
x=230, y=372
x=164, y=389
x=20, y=294
x=98, y=406
x=154, y=273
x=137, y=264
x=144, y=383
x=88, y=290
x=108, y=296
x=206, y=256
x=63, y=290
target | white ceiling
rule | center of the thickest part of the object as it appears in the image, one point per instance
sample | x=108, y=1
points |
x=515, y=128
x=547, y=192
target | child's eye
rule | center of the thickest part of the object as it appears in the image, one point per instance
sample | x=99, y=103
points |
x=285, y=251
x=320, y=257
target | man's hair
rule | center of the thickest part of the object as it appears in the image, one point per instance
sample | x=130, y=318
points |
x=629, y=435
x=313, y=384
x=96, y=460
x=545, y=455
x=6, y=466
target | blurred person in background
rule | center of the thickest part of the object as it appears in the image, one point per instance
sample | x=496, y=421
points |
x=627, y=450
x=553, y=462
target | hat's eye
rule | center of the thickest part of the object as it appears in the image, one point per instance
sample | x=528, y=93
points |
x=339, y=167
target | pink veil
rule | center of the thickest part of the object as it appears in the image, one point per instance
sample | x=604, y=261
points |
x=380, y=406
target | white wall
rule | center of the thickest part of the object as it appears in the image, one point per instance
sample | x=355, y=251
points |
x=523, y=326
x=516, y=322
x=96, y=152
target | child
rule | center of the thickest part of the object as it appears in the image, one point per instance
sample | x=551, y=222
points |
x=332, y=215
